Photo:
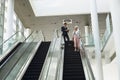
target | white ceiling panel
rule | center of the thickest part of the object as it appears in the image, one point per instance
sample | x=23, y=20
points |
x=66, y=7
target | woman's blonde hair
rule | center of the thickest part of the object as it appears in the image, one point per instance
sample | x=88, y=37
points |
x=76, y=27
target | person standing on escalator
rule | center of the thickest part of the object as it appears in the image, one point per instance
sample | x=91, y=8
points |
x=65, y=31
x=76, y=38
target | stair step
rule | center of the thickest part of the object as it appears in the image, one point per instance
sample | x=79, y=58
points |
x=73, y=68
x=34, y=69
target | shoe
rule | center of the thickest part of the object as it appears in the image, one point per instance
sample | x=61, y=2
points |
x=75, y=50
x=78, y=50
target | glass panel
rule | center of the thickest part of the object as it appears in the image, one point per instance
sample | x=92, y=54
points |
x=107, y=33
x=90, y=40
x=11, y=41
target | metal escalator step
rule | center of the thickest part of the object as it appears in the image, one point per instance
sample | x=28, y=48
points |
x=34, y=69
x=73, y=68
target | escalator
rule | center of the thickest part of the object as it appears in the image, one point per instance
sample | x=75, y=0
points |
x=73, y=68
x=35, y=67
x=11, y=53
x=13, y=60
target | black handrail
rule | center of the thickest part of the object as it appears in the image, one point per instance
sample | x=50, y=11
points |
x=28, y=36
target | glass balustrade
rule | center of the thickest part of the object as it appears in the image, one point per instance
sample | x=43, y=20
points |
x=90, y=40
x=107, y=33
x=17, y=37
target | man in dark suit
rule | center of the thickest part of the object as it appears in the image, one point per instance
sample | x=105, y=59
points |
x=65, y=31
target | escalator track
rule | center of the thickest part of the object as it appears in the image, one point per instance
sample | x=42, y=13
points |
x=35, y=67
x=73, y=68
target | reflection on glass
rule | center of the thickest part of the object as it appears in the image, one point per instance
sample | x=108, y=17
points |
x=108, y=31
x=17, y=37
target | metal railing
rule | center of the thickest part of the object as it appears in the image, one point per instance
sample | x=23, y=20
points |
x=48, y=61
x=43, y=36
x=11, y=41
x=30, y=38
x=9, y=48
x=90, y=40
x=107, y=33
x=59, y=72
x=86, y=62
x=56, y=50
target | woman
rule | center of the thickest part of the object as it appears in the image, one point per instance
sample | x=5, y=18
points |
x=76, y=38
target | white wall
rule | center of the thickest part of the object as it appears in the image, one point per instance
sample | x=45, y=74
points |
x=109, y=48
x=49, y=24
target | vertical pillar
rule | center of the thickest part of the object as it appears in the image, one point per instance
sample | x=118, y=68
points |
x=10, y=19
x=115, y=13
x=2, y=10
x=17, y=28
x=27, y=32
x=21, y=29
x=95, y=29
x=86, y=35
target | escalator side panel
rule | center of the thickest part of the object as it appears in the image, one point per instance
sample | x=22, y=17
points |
x=8, y=55
x=14, y=72
x=4, y=71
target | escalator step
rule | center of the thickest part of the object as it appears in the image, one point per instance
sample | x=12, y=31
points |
x=73, y=68
x=34, y=69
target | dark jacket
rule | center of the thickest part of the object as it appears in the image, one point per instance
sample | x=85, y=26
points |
x=64, y=30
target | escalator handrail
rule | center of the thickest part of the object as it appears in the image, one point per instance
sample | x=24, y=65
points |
x=19, y=75
x=8, y=38
x=50, y=50
x=29, y=36
x=23, y=41
x=27, y=62
x=43, y=36
x=89, y=68
x=59, y=73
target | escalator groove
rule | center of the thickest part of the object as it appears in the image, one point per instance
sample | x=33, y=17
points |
x=35, y=67
x=73, y=68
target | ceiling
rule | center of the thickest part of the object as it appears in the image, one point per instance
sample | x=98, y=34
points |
x=66, y=7
x=24, y=11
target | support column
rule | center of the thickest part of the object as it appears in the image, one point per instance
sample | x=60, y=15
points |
x=17, y=28
x=10, y=18
x=2, y=11
x=86, y=35
x=27, y=32
x=95, y=30
x=115, y=13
